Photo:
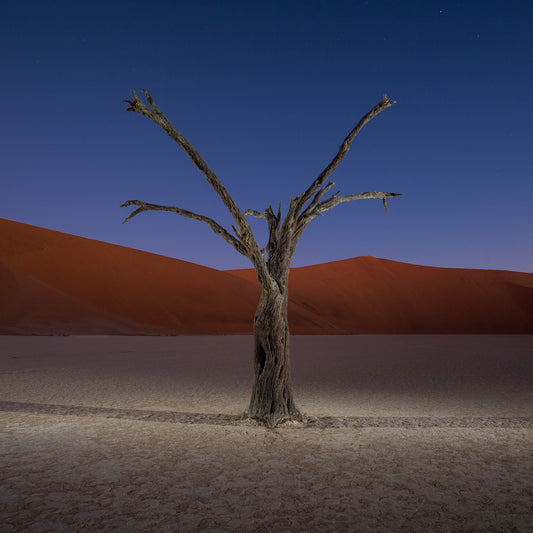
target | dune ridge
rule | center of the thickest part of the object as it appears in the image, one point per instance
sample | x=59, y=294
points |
x=56, y=283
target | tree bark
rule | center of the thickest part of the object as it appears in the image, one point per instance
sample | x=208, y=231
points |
x=272, y=399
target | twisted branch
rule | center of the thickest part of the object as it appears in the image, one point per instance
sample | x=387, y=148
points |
x=217, y=228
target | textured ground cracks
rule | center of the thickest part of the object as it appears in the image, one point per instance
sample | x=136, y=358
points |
x=145, y=434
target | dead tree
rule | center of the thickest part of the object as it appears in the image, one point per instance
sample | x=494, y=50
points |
x=272, y=397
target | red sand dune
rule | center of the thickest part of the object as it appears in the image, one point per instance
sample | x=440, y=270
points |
x=369, y=295
x=55, y=283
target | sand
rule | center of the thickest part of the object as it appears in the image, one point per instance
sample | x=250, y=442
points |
x=56, y=283
x=405, y=433
x=368, y=295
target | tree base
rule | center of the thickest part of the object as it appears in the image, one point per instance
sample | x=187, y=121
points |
x=275, y=419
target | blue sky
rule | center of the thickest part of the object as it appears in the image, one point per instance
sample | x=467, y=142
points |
x=266, y=91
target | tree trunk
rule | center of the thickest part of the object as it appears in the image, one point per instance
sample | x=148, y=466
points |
x=272, y=399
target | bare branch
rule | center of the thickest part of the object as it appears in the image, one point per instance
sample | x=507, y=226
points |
x=317, y=198
x=302, y=199
x=254, y=213
x=335, y=200
x=154, y=114
x=150, y=100
x=246, y=236
x=273, y=222
x=217, y=228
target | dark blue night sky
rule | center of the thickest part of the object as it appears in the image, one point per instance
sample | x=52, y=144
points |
x=267, y=91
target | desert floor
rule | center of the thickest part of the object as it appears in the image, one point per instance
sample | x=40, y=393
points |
x=404, y=433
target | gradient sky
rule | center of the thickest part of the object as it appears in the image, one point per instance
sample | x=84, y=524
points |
x=266, y=91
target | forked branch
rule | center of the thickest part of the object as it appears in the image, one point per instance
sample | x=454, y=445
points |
x=246, y=238
x=153, y=113
x=302, y=199
x=318, y=196
x=273, y=222
x=217, y=228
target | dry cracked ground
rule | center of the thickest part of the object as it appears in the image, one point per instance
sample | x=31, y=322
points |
x=405, y=433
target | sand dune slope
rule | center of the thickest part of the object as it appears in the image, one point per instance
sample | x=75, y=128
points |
x=55, y=283
x=369, y=295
